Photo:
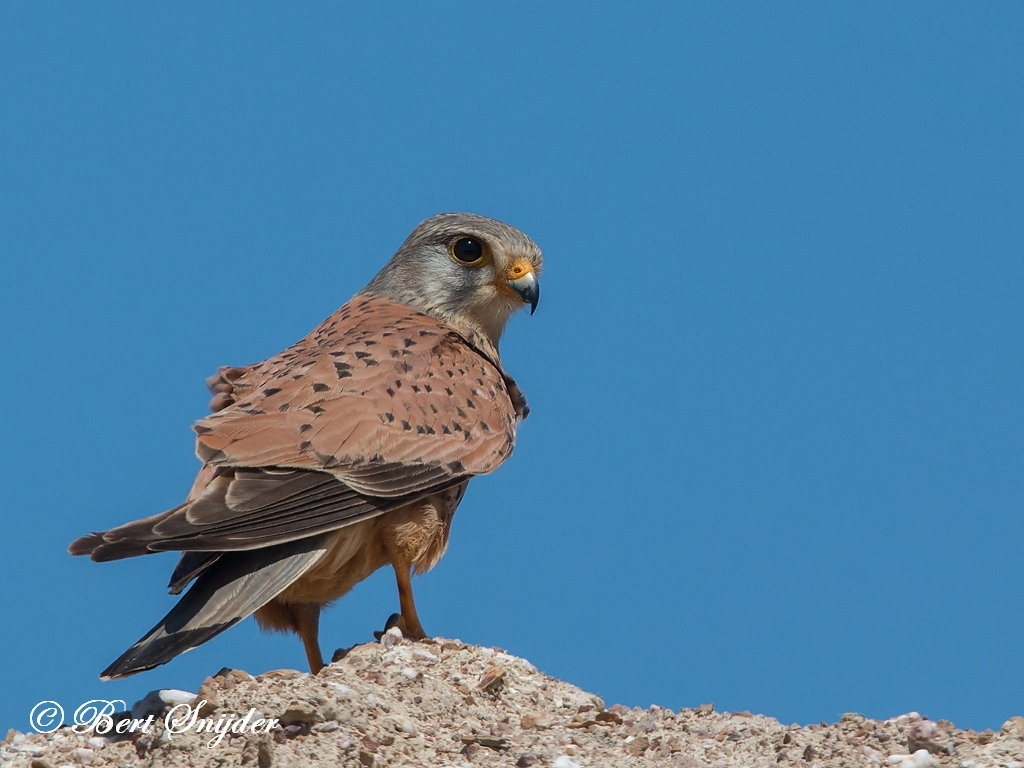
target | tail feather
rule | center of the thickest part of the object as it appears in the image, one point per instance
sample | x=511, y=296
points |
x=232, y=588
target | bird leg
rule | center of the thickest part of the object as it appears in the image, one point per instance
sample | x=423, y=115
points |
x=410, y=622
x=307, y=624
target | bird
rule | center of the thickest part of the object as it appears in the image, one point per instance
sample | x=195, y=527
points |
x=347, y=452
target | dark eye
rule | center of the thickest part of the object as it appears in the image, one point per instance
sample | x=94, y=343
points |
x=468, y=250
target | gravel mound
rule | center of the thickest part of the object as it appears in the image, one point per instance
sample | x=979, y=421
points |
x=444, y=703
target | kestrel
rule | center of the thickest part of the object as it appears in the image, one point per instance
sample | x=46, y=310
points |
x=348, y=451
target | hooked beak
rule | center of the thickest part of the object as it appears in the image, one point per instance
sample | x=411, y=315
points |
x=523, y=280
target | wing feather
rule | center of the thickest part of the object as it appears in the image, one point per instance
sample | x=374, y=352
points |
x=379, y=406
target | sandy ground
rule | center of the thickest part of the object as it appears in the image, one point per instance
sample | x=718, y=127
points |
x=444, y=703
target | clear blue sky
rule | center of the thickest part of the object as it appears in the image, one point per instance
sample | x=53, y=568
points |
x=775, y=455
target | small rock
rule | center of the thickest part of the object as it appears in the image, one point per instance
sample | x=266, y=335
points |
x=366, y=758
x=564, y=761
x=265, y=753
x=526, y=760
x=873, y=755
x=537, y=721
x=155, y=702
x=207, y=693
x=638, y=746
x=924, y=735
x=492, y=680
x=407, y=726
x=422, y=654
x=40, y=763
x=391, y=638
x=608, y=716
x=281, y=674
x=329, y=727
x=83, y=756
x=1015, y=725
x=298, y=713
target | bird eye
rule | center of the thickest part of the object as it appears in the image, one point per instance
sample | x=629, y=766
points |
x=468, y=250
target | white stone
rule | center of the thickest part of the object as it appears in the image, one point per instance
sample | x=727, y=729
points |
x=156, y=701
x=407, y=726
x=873, y=755
x=564, y=761
x=172, y=697
x=83, y=756
x=28, y=749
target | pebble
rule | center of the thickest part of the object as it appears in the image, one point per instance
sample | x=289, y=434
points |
x=298, y=712
x=912, y=717
x=155, y=702
x=564, y=761
x=391, y=638
x=922, y=758
x=83, y=756
x=407, y=726
x=873, y=755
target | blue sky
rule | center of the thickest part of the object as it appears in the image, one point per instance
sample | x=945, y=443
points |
x=775, y=455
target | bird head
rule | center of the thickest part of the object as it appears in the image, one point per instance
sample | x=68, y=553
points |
x=466, y=270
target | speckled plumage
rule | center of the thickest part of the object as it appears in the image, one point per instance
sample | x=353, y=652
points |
x=348, y=451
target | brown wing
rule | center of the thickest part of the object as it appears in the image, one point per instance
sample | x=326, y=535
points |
x=386, y=399
x=378, y=406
